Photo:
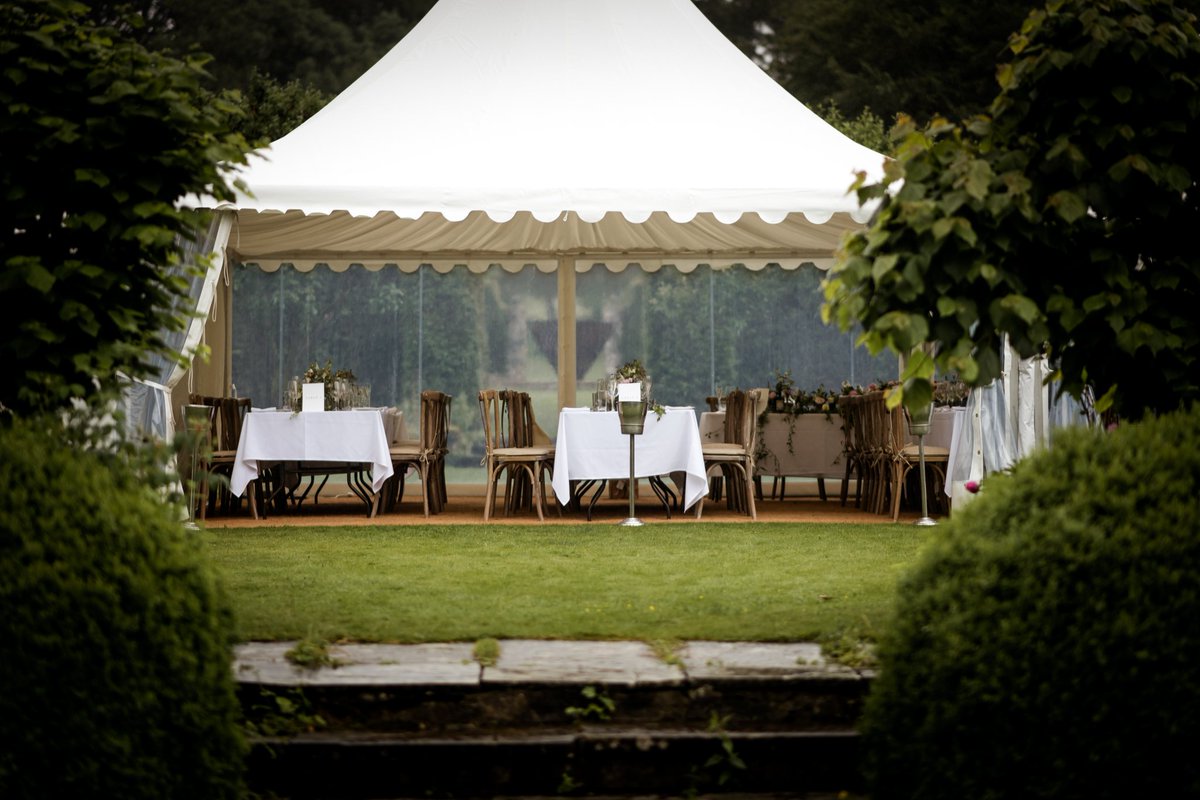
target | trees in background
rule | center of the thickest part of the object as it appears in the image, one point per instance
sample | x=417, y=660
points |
x=101, y=138
x=1062, y=220
x=889, y=56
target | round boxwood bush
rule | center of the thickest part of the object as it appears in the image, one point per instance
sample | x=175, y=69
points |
x=1047, y=644
x=115, y=640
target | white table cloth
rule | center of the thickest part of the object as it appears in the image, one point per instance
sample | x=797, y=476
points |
x=590, y=446
x=355, y=437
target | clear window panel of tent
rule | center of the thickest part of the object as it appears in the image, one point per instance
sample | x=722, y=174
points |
x=400, y=333
x=729, y=327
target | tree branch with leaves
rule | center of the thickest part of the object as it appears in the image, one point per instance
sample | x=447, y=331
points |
x=1063, y=219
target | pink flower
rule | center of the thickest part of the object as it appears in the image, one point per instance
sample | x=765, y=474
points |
x=871, y=387
x=971, y=486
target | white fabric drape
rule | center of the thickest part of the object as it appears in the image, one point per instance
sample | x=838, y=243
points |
x=1007, y=420
x=148, y=400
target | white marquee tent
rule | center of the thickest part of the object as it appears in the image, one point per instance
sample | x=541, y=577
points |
x=559, y=133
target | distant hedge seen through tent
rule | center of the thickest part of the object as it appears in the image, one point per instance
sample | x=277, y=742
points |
x=460, y=332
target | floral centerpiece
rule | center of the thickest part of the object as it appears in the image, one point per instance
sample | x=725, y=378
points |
x=634, y=372
x=335, y=382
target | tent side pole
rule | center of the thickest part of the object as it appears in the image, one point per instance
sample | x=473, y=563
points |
x=566, y=331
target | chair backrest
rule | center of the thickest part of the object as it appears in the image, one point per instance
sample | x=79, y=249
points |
x=537, y=436
x=848, y=409
x=516, y=408
x=740, y=419
x=435, y=421
x=734, y=403
x=876, y=424
x=227, y=416
x=233, y=412
x=714, y=402
x=491, y=410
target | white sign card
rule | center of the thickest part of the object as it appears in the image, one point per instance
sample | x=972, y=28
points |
x=313, y=397
x=629, y=392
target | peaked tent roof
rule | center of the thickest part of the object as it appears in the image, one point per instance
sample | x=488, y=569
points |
x=524, y=130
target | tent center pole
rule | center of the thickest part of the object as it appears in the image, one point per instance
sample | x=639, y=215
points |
x=566, y=331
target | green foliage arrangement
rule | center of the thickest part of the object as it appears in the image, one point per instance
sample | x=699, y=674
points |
x=116, y=636
x=1045, y=645
x=1062, y=219
x=101, y=141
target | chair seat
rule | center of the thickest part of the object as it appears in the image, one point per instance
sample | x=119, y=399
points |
x=405, y=451
x=522, y=452
x=718, y=449
x=930, y=452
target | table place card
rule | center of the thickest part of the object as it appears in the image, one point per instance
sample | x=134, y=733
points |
x=313, y=397
x=629, y=392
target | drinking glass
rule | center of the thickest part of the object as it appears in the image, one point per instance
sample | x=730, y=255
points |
x=722, y=394
x=291, y=397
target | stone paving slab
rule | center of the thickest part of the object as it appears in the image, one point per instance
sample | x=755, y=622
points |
x=524, y=661
x=758, y=660
x=449, y=664
x=570, y=662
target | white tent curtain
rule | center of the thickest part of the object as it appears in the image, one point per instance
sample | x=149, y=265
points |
x=1007, y=420
x=148, y=400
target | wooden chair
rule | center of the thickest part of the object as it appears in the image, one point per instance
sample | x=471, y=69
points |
x=224, y=433
x=523, y=431
x=873, y=424
x=735, y=456
x=505, y=452
x=426, y=455
x=905, y=456
x=849, y=409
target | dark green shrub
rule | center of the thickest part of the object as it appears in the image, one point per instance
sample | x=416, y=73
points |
x=115, y=677
x=1047, y=645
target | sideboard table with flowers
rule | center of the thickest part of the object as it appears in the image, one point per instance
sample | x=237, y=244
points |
x=790, y=445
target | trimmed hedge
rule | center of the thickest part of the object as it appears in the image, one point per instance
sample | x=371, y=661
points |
x=1047, y=645
x=115, y=677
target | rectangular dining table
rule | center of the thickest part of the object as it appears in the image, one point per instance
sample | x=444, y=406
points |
x=590, y=446
x=350, y=437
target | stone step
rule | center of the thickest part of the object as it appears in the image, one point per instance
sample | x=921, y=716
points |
x=551, y=718
x=616, y=762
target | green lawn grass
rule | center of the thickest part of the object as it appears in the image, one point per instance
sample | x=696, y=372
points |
x=748, y=582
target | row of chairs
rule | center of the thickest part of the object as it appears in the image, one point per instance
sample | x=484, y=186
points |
x=878, y=454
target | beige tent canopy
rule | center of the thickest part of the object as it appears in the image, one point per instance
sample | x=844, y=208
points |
x=561, y=133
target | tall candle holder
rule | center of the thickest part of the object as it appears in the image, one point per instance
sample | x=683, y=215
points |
x=632, y=414
x=919, y=423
